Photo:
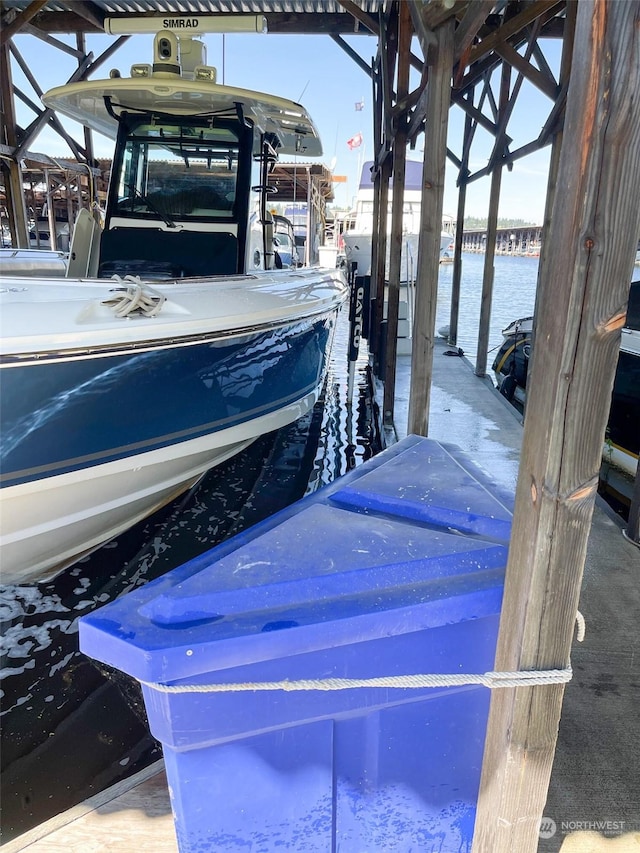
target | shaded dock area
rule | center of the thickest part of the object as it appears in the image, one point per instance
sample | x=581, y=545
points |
x=594, y=791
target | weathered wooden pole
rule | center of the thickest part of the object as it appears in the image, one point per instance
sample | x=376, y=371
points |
x=435, y=153
x=456, y=281
x=582, y=307
x=12, y=172
x=490, y=247
x=405, y=32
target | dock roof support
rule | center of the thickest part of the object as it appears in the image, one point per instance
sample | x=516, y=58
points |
x=435, y=154
x=583, y=294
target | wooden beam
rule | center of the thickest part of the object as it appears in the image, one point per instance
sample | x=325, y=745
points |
x=49, y=39
x=10, y=28
x=514, y=25
x=546, y=85
x=580, y=311
x=456, y=280
x=351, y=53
x=90, y=12
x=405, y=33
x=11, y=167
x=368, y=21
x=433, y=174
x=474, y=17
x=490, y=247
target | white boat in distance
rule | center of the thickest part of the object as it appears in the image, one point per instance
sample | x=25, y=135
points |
x=358, y=234
x=173, y=341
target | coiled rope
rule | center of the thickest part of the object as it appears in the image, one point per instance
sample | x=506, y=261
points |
x=134, y=297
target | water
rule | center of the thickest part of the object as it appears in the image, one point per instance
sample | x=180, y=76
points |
x=514, y=294
x=70, y=728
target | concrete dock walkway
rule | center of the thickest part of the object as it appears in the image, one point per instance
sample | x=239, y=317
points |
x=594, y=795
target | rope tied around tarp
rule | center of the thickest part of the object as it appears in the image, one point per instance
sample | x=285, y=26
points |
x=492, y=680
x=134, y=297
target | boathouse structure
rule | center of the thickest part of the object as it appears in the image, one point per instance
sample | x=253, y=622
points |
x=476, y=56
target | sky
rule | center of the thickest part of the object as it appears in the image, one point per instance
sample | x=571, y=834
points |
x=315, y=71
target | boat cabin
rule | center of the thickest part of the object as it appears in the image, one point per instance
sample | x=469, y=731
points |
x=189, y=188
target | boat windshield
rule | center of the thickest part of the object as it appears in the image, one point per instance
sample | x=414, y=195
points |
x=177, y=171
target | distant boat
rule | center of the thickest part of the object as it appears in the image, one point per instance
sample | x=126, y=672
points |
x=173, y=342
x=622, y=444
x=33, y=262
x=358, y=233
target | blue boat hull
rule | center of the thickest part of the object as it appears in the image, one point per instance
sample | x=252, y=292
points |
x=92, y=443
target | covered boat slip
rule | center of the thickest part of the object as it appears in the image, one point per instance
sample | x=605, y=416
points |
x=587, y=784
x=590, y=239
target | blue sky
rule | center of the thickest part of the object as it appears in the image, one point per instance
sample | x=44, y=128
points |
x=318, y=73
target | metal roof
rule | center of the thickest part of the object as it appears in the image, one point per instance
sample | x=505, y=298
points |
x=295, y=16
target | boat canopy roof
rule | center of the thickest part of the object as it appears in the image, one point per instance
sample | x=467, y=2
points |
x=93, y=103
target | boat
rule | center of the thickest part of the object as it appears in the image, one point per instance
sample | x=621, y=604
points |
x=33, y=262
x=287, y=255
x=358, y=231
x=622, y=438
x=173, y=341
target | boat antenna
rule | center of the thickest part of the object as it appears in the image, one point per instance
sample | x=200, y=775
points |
x=303, y=91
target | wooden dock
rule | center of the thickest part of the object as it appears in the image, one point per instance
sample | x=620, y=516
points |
x=133, y=816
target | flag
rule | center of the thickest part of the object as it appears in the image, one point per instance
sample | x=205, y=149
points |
x=359, y=105
x=355, y=141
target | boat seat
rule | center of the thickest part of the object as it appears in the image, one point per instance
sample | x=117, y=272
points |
x=157, y=254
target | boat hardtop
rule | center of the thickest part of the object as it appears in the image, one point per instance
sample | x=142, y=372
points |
x=96, y=104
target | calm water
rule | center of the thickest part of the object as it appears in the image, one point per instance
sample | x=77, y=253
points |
x=69, y=728
x=514, y=293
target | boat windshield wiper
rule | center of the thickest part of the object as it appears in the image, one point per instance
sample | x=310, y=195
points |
x=164, y=216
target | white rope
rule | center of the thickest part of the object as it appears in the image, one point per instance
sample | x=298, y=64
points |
x=491, y=680
x=134, y=298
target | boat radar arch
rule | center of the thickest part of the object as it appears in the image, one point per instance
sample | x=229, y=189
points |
x=180, y=83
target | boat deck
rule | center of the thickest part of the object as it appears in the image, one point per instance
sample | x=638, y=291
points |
x=594, y=785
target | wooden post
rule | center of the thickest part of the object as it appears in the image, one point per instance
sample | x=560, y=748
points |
x=13, y=182
x=435, y=153
x=582, y=307
x=379, y=273
x=405, y=31
x=457, y=251
x=633, y=525
x=490, y=248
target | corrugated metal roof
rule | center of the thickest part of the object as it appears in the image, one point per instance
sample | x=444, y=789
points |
x=128, y=7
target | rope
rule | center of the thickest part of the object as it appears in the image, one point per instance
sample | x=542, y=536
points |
x=491, y=680
x=134, y=298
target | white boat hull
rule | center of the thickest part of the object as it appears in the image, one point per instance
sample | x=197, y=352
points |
x=105, y=419
x=49, y=523
x=358, y=249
